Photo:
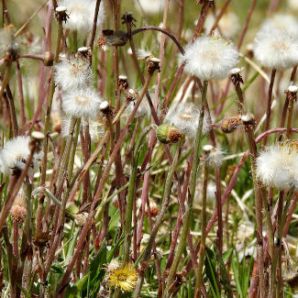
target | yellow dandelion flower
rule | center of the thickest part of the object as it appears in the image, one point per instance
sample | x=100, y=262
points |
x=123, y=277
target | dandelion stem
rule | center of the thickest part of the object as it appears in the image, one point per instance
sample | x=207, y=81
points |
x=94, y=23
x=199, y=274
x=269, y=102
x=164, y=205
x=188, y=211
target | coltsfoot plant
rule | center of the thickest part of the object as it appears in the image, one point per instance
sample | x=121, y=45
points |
x=148, y=148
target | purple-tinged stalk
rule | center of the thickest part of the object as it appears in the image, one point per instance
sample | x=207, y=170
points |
x=292, y=91
x=188, y=210
x=153, y=66
x=199, y=274
x=164, y=205
x=248, y=122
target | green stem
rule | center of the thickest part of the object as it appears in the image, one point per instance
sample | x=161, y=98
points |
x=199, y=274
x=128, y=214
x=189, y=205
x=165, y=202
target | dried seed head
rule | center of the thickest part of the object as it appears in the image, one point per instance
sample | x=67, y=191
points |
x=18, y=210
x=168, y=134
x=228, y=125
x=61, y=13
x=105, y=108
x=123, y=82
x=207, y=148
x=248, y=119
x=18, y=213
x=236, y=77
x=153, y=65
x=131, y=95
x=84, y=52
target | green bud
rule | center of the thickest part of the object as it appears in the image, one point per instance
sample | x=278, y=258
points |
x=168, y=134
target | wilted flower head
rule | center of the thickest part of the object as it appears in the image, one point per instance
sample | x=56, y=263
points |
x=277, y=165
x=229, y=25
x=209, y=58
x=276, y=46
x=72, y=73
x=150, y=7
x=18, y=210
x=81, y=14
x=185, y=117
x=81, y=103
x=123, y=277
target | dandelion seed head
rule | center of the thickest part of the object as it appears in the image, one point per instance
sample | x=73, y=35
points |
x=215, y=156
x=72, y=73
x=185, y=117
x=276, y=46
x=209, y=58
x=15, y=153
x=123, y=277
x=277, y=166
x=82, y=103
x=81, y=14
x=283, y=23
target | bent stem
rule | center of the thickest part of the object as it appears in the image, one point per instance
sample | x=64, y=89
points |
x=189, y=205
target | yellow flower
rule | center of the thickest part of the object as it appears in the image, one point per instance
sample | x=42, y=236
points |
x=123, y=277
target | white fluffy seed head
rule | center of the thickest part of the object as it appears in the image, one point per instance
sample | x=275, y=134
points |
x=150, y=6
x=210, y=58
x=215, y=157
x=14, y=154
x=72, y=73
x=276, y=44
x=81, y=103
x=277, y=166
x=143, y=109
x=81, y=14
x=283, y=23
x=229, y=25
x=185, y=117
